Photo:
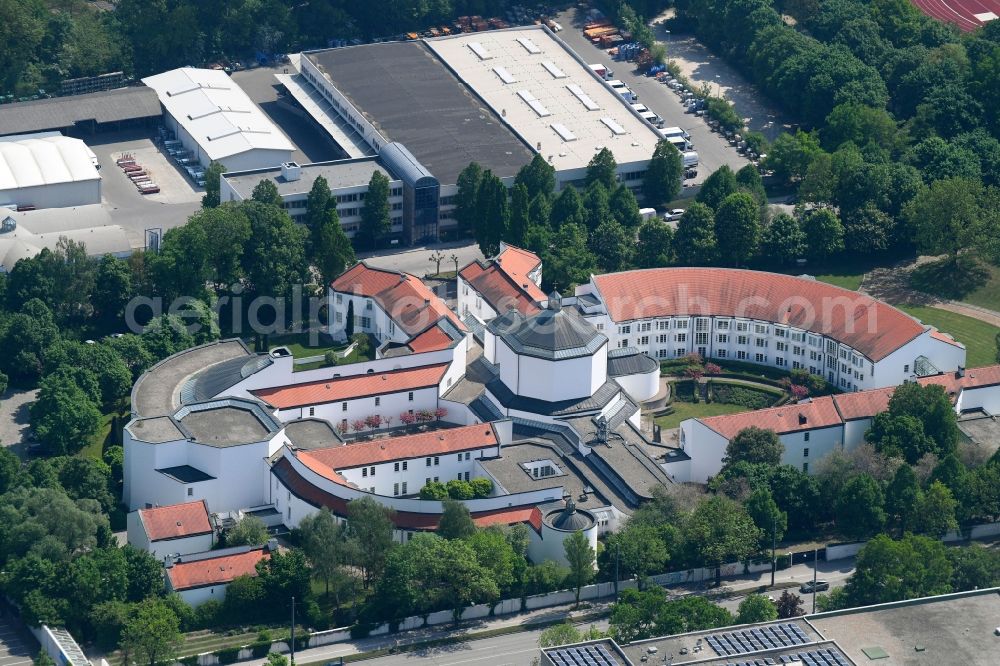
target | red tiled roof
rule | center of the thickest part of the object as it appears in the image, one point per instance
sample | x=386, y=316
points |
x=404, y=298
x=499, y=290
x=176, y=521
x=432, y=339
x=349, y=388
x=974, y=378
x=410, y=520
x=818, y=413
x=863, y=404
x=438, y=442
x=504, y=516
x=214, y=570
x=518, y=264
x=944, y=337
x=867, y=325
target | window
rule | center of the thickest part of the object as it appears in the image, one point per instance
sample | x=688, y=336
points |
x=410, y=396
x=643, y=340
x=624, y=330
x=805, y=451
x=680, y=351
x=661, y=339
x=760, y=329
x=466, y=476
x=645, y=326
x=780, y=332
x=661, y=353
x=371, y=471
x=427, y=480
x=701, y=338
x=343, y=406
x=700, y=325
x=339, y=298
x=779, y=361
x=368, y=304
x=467, y=454
x=312, y=411
x=404, y=487
x=807, y=436
x=682, y=337
x=396, y=469
x=378, y=401
x=721, y=353
x=364, y=472
x=339, y=317
x=741, y=355
x=437, y=460
x=663, y=325
x=796, y=365
x=722, y=325
x=798, y=351
x=906, y=368
x=760, y=342
x=780, y=346
x=190, y=492
x=459, y=457
x=395, y=489
x=722, y=338
x=760, y=358
x=623, y=343
x=805, y=468
x=681, y=324
x=742, y=340
x=797, y=337
x=815, y=356
x=814, y=341
x=428, y=461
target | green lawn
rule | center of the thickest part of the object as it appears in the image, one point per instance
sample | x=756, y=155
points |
x=988, y=295
x=298, y=344
x=850, y=281
x=978, y=337
x=95, y=447
x=690, y=410
x=353, y=357
x=846, y=273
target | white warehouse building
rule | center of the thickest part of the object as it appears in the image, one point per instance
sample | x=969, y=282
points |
x=47, y=170
x=214, y=119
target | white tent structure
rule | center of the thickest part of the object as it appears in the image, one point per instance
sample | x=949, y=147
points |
x=216, y=120
x=24, y=234
x=47, y=171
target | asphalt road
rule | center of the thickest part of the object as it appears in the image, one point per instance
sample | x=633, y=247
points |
x=713, y=150
x=14, y=420
x=14, y=645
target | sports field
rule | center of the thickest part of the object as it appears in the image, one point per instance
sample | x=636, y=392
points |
x=966, y=14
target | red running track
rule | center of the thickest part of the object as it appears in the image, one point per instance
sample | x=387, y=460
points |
x=960, y=12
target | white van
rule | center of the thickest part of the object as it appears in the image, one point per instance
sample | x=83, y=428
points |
x=690, y=159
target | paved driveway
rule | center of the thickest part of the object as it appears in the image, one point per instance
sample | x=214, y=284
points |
x=14, y=422
x=14, y=645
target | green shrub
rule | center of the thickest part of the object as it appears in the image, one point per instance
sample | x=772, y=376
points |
x=228, y=655
x=684, y=391
x=361, y=629
x=744, y=396
x=481, y=487
x=460, y=489
x=260, y=648
x=189, y=661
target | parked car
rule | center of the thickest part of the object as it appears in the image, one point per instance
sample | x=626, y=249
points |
x=673, y=214
x=821, y=585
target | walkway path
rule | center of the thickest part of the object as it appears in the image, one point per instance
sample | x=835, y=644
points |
x=891, y=285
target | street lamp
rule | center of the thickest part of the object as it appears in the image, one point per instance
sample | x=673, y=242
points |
x=815, y=569
x=774, y=538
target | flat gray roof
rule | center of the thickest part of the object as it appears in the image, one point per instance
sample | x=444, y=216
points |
x=952, y=629
x=411, y=97
x=64, y=112
x=311, y=434
x=156, y=430
x=157, y=393
x=185, y=474
x=339, y=174
x=225, y=426
x=508, y=472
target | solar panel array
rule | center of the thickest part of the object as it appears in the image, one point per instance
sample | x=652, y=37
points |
x=755, y=639
x=583, y=655
x=824, y=657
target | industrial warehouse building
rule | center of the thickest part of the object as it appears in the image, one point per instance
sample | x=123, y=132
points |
x=83, y=115
x=47, y=171
x=423, y=110
x=214, y=119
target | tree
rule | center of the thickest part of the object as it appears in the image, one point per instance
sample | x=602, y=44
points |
x=112, y=288
x=520, y=215
x=791, y=155
x=567, y=209
x=860, y=510
x=597, y=205
x=974, y=567
x=538, y=176
x=903, y=498
x=946, y=217
x=568, y=261
x=559, y=634
x=213, y=175
x=887, y=570
x=435, y=490
x=662, y=181
x=867, y=230
x=266, y=192
x=769, y=519
x=931, y=406
x=717, y=187
x=638, y=550
x=349, y=320
x=612, y=245
x=375, y=214
x=496, y=554
x=602, y=169
x=783, y=240
x=748, y=179
x=756, y=608
x=456, y=522
x=249, y=531
x=369, y=527
x=754, y=445
x=274, y=256
x=859, y=125
x=695, y=242
x=824, y=233
x=581, y=557
x=935, y=514
x=654, y=247
x=900, y=436
x=276, y=659
x=332, y=250
x=63, y=417
x=737, y=228
x=317, y=207
x=718, y=531
x=86, y=478
x=466, y=197
x=625, y=208
x=789, y=605
x=492, y=217
x=152, y=635
x=647, y=613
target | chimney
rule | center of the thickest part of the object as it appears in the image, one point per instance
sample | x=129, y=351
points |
x=272, y=545
x=802, y=419
x=291, y=171
x=960, y=372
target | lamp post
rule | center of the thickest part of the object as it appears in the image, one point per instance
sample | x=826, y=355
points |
x=774, y=539
x=292, y=662
x=815, y=569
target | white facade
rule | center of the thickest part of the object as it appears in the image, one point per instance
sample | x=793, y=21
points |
x=641, y=386
x=48, y=172
x=387, y=404
x=407, y=476
x=369, y=317
x=216, y=120
x=161, y=548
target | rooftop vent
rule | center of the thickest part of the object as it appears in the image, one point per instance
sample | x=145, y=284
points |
x=802, y=419
x=291, y=171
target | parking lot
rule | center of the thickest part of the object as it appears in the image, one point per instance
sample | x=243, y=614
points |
x=14, y=644
x=713, y=150
x=311, y=143
x=177, y=199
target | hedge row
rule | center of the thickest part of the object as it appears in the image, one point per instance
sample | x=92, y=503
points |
x=745, y=396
